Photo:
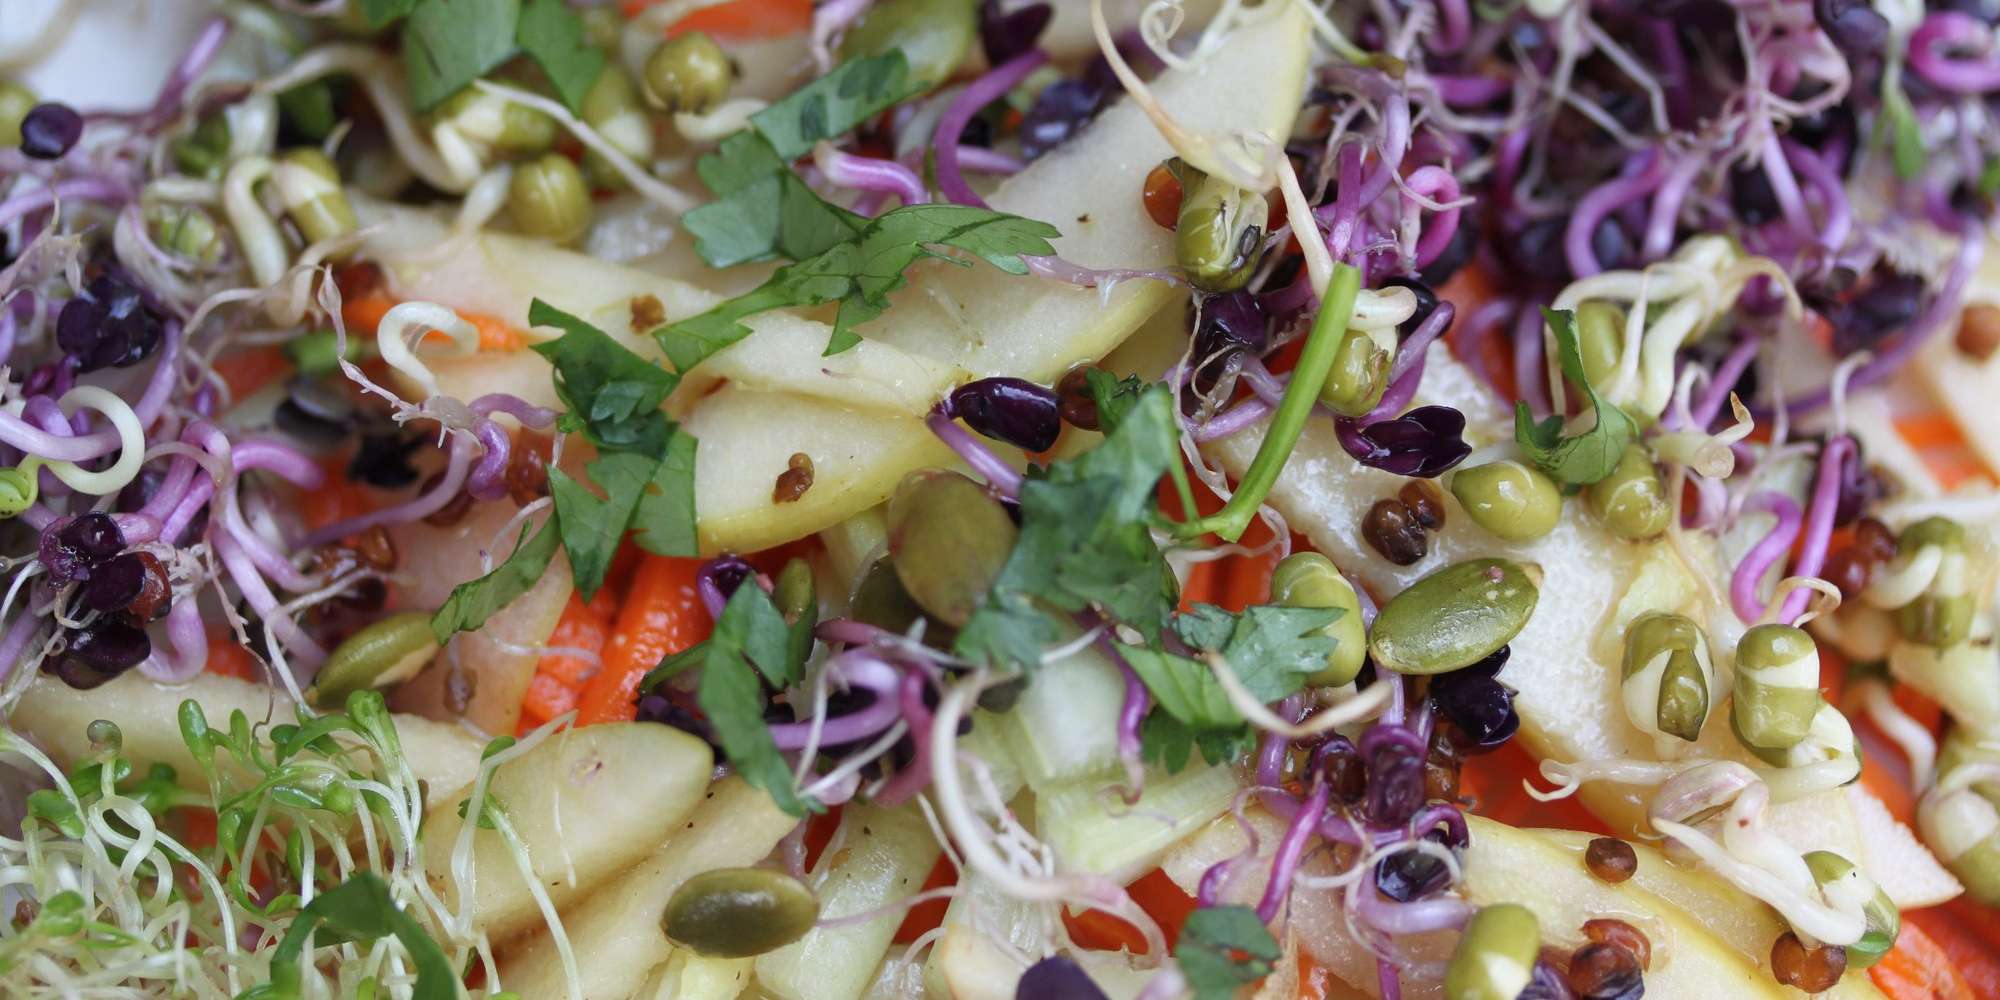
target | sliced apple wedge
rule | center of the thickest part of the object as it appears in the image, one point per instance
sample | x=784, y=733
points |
x=1568, y=678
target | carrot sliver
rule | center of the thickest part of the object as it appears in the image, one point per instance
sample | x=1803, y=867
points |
x=495, y=334
x=249, y=370
x=1931, y=430
x=661, y=614
x=363, y=313
x=1920, y=967
x=740, y=19
x=228, y=658
x=928, y=914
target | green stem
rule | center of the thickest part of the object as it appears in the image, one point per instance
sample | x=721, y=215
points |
x=1336, y=309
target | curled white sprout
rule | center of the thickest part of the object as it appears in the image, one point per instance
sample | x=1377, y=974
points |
x=131, y=443
x=1707, y=454
x=257, y=235
x=715, y=124
x=1243, y=158
x=408, y=325
x=1906, y=579
x=1825, y=601
x=1570, y=776
x=1919, y=746
x=381, y=76
x=1367, y=704
x=649, y=187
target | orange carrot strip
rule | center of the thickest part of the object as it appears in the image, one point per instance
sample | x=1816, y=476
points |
x=228, y=658
x=363, y=313
x=1931, y=430
x=495, y=334
x=928, y=914
x=251, y=369
x=662, y=614
x=742, y=19
x=1922, y=968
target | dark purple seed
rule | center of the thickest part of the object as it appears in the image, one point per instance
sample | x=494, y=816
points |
x=1751, y=196
x=114, y=583
x=1004, y=34
x=49, y=130
x=1860, y=487
x=1854, y=26
x=725, y=574
x=1410, y=875
x=1229, y=322
x=93, y=537
x=1060, y=111
x=102, y=651
x=1017, y=411
x=1395, y=782
x=1536, y=251
x=1425, y=442
x=64, y=564
x=1427, y=302
x=1057, y=977
x=1888, y=305
x=1481, y=707
x=383, y=460
x=1609, y=242
x=1456, y=253
x=314, y=412
x=1546, y=983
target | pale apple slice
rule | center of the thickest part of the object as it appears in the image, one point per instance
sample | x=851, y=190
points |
x=1568, y=679
x=499, y=275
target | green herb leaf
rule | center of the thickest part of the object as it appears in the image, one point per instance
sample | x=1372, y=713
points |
x=861, y=273
x=1581, y=459
x=1185, y=689
x=752, y=624
x=611, y=394
x=380, y=12
x=730, y=694
x=308, y=109
x=1114, y=397
x=1085, y=544
x=357, y=910
x=835, y=104
x=1222, y=948
x=474, y=601
x=551, y=33
x=447, y=44
x=1169, y=743
x=664, y=523
x=1905, y=136
x=762, y=209
x=1270, y=648
x=57, y=810
x=591, y=528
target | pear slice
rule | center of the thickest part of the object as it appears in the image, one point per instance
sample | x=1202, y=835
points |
x=1567, y=677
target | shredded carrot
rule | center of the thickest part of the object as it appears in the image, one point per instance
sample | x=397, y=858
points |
x=1921, y=968
x=820, y=828
x=740, y=19
x=228, y=658
x=559, y=678
x=494, y=333
x=1156, y=894
x=363, y=313
x=339, y=499
x=251, y=369
x=1931, y=430
x=930, y=913
x=661, y=614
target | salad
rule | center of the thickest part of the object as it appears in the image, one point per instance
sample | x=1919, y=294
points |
x=1026, y=499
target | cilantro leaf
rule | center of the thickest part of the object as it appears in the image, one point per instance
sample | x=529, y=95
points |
x=664, y=523
x=1169, y=743
x=552, y=34
x=1085, y=544
x=1271, y=648
x=1581, y=459
x=1222, y=948
x=730, y=694
x=835, y=104
x=447, y=44
x=751, y=623
x=1185, y=689
x=591, y=528
x=474, y=601
x=612, y=395
x=1113, y=396
x=861, y=273
x=359, y=909
x=1905, y=136
x=762, y=209
x=380, y=12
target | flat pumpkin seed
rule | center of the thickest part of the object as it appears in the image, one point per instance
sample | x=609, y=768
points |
x=1455, y=617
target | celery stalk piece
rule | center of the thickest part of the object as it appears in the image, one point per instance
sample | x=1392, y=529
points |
x=1091, y=830
x=1065, y=726
x=884, y=857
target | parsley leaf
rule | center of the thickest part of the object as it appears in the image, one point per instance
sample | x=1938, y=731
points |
x=1210, y=945
x=730, y=694
x=664, y=523
x=861, y=273
x=551, y=33
x=1581, y=459
x=611, y=394
x=1085, y=544
x=447, y=44
x=1905, y=136
x=1168, y=742
x=474, y=601
x=359, y=909
x=752, y=624
x=591, y=528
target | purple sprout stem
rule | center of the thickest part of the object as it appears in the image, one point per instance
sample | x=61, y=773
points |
x=1765, y=554
x=1131, y=713
x=1819, y=523
x=1469, y=89
x=912, y=778
x=1454, y=27
x=1388, y=981
x=1727, y=374
x=976, y=95
x=1419, y=917
x=90, y=188
x=188, y=642
x=180, y=475
x=1438, y=184
x=1285, y=861
x=306, y=654
x=1935, y=317
x=1408, y=370
x=1934, y=44
x=182, y=516
x=280, y=458
x=1640, y=176
x=488, y=478
x=14, y=641
x=1530, y=375
x=1665, y=211
x=1832, y=193
x=1785, y=186
x=858, y=669
x=980, y=160
x=528, y=414
x=872, y=174
x=1000, y=477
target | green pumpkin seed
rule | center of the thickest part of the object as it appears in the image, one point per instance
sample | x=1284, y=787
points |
x=739, y=912
x=1455, y=617
x=390, y=651
x=948, y=539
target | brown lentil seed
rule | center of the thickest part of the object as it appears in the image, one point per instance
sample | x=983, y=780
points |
x=1874, y=540
x=1162, y=197
x=795, y=480
x=1605, y=972
x=647, y=313
x=1606, y=930
x=1979, y=331
x=1079, y=408
x=527, y=468
x=1849, y=569
x=1394, y=533
x=1814, y=970
x=156, y=593
x=1426, y=504
x=454, y=509
x=1441, y=769
x=1610, y=859
x=376, y=548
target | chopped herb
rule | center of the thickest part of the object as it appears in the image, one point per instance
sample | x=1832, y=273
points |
x=1170, y=743
x=379, y=13
x=591, y=528
x=1270, y=648
x=1086, y=543
x=611, y=394
x=551, y=33
x=664, y=524
x=1185, y=689
x=731, y=692
x=1905, y=137
x=447, y=44
x=861, y=273
x=835, y=104
x=474, y=601
x=357, y=910
x=308, y=109
x=1115, y=397
x=1579, y=459
x=1222, y=948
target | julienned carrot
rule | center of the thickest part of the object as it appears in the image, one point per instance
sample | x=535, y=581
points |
x=1920, y=968
x=228, y=658
x=1154, y=893
x=560, y=678
x=363, y=313
x=927, y=915
x=662, y=613
x=249, y=370
x=740, y=18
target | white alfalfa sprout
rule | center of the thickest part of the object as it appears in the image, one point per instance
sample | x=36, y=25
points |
x=1366, y=704
x=381, y=77
x=1242, y=158
x=408, y=326
x=651, y=188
